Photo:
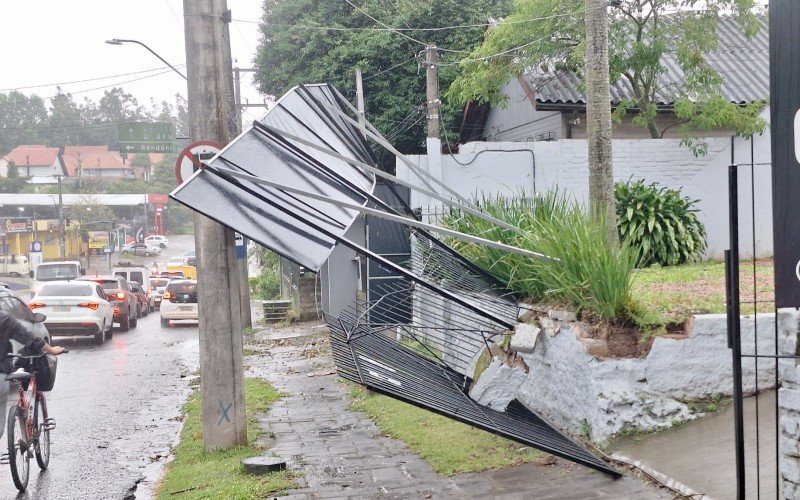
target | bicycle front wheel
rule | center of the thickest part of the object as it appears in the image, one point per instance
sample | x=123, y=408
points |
x=18, y=457
x=41, y=445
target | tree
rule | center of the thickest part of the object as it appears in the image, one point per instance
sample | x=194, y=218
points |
x=12, y=172
x=21, y=119
x=550, y=35
x=299, y=46
x=91, y=213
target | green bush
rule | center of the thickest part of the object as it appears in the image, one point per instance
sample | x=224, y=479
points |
x=587, y=274
x=267, y=285
x=659, y=224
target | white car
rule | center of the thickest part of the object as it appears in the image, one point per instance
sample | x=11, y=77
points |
x=157, y=240
x=179, y=301
x=139, y=248
x=75, y=308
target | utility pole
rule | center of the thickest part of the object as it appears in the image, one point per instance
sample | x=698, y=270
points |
x=62, y=239
x=233, y=95
x=432, y=90
x=360, y=102
x=221, y=371
x=598, y=119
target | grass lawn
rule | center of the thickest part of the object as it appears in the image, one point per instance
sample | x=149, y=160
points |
x=195, y=474
x=672, y=294
x=449, y=446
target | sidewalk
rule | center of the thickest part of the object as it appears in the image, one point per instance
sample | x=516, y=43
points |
x=341, y=454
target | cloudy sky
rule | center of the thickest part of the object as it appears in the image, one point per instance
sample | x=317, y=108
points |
x=45, y=42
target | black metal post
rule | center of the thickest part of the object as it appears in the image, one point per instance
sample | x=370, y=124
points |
x=734, y=324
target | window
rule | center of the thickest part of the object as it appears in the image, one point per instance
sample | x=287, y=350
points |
x=66, y=290
x=56, y=272
x=183, y=292
x=137, y=276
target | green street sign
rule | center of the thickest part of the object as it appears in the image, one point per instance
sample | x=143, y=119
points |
x=138, y=137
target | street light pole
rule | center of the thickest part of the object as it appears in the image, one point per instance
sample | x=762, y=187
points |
x=62, y=240
x=120, y=41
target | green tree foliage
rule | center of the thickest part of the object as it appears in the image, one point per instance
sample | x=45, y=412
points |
x=91, y=214
x=296, y=48
x=12, y=171
x=549, y=35
x=21, y=120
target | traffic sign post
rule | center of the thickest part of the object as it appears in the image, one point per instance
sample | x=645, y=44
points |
x=136, y=137
x=191, y=159
x=241, y=246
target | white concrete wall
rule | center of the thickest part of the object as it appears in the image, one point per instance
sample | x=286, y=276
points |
x=563, y=165
x=578, y=390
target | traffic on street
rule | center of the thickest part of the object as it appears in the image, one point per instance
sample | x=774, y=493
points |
x=116, y=405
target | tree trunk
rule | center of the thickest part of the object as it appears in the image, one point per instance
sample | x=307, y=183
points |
x=598, y=120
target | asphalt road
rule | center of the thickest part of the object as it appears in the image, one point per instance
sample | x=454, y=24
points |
x=116, y=408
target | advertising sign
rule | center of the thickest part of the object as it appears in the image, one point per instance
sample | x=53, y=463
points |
x=16, y=225
x=98, y=239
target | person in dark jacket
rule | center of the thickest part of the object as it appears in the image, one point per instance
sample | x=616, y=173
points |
x=11, y=329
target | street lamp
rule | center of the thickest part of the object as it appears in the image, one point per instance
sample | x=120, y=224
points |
x=120, y=41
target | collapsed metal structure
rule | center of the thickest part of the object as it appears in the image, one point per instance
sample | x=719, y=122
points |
x=296, y=182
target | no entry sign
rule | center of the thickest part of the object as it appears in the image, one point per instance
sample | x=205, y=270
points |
x=192, y=157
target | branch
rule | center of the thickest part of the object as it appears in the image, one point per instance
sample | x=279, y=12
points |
x=681, y=122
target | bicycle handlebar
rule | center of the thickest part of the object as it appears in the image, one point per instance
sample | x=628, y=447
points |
x=32, y=356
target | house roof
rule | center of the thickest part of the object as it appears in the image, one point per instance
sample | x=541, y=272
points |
x=742, y=63
x=91, y=158
x=33, y=155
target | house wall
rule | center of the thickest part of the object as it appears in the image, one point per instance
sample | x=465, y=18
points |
x=563, y=165
x=36, y=170
x=518, y=121
x=667, y=123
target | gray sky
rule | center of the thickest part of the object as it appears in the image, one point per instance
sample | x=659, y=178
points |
x=50, y=41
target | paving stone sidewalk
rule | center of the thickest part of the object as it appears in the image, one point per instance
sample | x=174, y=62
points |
x=341, y=453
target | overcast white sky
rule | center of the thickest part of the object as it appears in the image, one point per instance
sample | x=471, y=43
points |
x=51, y=41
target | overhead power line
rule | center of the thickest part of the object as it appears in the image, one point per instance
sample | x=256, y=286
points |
x=40, y=85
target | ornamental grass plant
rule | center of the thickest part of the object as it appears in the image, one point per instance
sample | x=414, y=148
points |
x=584, y=273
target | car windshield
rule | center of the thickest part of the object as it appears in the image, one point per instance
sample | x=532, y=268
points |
x=66, y=290
x=56, y=272
x=158, y=282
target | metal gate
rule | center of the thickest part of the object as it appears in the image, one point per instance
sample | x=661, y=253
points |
x=757, y=457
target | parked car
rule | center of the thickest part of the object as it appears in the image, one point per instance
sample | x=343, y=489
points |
x=75, y=308
x=13, y=305
x=191, y=257
x=137, y=274
x=120, y=297
x=159, y=285
x=179, y=301
x=142, y=297
x=14, y=265
x=139, y=248
x=157, y=240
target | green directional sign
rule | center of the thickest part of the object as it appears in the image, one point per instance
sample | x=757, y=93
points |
x=136, y=137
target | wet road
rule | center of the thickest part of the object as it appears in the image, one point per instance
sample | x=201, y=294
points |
x=117, y=408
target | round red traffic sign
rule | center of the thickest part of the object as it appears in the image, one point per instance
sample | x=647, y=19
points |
x=192, y=157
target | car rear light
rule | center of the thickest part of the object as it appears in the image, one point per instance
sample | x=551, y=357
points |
x=167, y=296
x=116, y=311
x=91, y=305
x=35, y=305
x=121, y=295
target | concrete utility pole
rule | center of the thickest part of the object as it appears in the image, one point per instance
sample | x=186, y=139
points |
x=360, y=101
x=432, y=90
x=233, y=94
x=221, y=369
x=598, y=118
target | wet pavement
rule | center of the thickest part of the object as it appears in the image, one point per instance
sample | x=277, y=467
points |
x=700, y=454
x=342, y=454
x=117, y=409
x=115, y=406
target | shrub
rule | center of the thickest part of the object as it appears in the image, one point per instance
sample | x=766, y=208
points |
x=659, y=224
x=267, y=285
x=588, y=274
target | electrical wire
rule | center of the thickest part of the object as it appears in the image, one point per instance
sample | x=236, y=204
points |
x=89, y=79
x=384, y=24
x=389, y=69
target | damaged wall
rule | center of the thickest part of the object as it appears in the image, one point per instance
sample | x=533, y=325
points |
x=569, y=381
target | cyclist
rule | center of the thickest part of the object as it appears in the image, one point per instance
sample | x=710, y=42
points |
x=10, y=329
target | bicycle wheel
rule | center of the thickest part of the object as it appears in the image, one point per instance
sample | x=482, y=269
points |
x=18, y=457
x=41, y=444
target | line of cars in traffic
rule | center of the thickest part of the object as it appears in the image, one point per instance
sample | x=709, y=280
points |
x=73, y=304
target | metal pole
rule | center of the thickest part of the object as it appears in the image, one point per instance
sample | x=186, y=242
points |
x=62, y=240
x=734, y=324
x=360, y=101
x=221, y=369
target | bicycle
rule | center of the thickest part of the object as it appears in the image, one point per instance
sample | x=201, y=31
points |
x=28, y=431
